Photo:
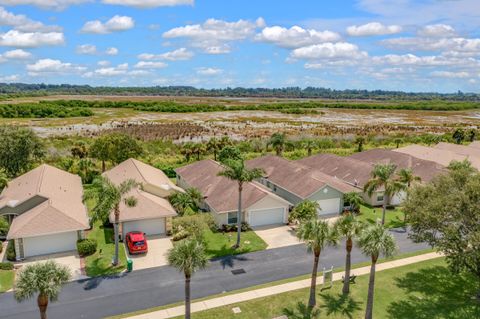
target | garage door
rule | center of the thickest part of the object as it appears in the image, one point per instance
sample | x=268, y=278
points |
x=398, y=198
x=43, y=245
x=148, y=226
x=329, y=206
x=266, y=217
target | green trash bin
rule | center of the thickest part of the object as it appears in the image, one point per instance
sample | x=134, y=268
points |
x=129, y=265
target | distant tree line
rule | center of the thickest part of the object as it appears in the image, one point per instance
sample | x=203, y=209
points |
x=21, y=89
x=41, y=110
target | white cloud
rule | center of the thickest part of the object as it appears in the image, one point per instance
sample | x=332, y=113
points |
x=411, y=59
x=213, y=35
x=150, y=65
x=149, y=3
x=295, y=36
x=115, y=24
x=448, y=74
x=111, y=51
x=433, y=44
x=44, y=4
x=209, y=71
x=332, y=51
x=10, y=78
x=23, y=23
x=176, y=55
x=50, y=67
x=103, y=63
x=17, y=55
x=87, y=49
x=14, y=38
x=437, y=30
x=120, y=69
x=373, y=28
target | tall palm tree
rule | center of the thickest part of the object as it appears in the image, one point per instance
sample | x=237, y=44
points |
x=349, y=227
x=383, y=177
x=187, y=256
x=375, y=241
x=235, y=170
x=108, y=198
x=317, y=235
x=278, y=142
x=355, y=200
x=45, y=279
x=406, y=176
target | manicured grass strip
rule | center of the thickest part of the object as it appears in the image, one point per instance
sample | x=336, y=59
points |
x=393, y=217
x=100, y=263
x=273, y=283
x=6, y=280
x=423, y=290
x=220, y=244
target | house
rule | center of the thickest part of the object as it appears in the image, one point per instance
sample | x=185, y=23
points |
x=296, y=182
x=352, y=171
x=48, y=213
x=471, y=152
x=438, y=155
x=422, y=168
x=152, y=211
x=260, y=206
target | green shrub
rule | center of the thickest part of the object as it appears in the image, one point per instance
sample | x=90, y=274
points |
x=233, y=227
x=11, y=255
x=86, y=247
x=194, y=225
x=181, y=234
x=6, y=266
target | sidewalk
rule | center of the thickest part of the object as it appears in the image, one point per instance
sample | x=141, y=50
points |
x=274, y=290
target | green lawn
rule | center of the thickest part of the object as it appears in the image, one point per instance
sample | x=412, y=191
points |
x=423, y=290
x=393, y=217
x=219, y=244
x=6, y=280
x=100, y=263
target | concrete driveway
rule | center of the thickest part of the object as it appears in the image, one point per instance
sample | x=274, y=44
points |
x=69, y=259
x=277, y=236
x=157, y=253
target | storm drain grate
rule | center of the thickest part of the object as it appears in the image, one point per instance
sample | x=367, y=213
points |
x=239, y=271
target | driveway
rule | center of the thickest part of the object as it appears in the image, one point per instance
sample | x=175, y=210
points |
x=69, y=259
x=277, y=236
x=157, y=253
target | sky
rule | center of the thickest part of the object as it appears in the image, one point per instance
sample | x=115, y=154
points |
x=407, y=45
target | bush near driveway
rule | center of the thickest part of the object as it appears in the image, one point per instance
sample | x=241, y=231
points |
x=10, y=254
x=6, y=266
x=86, y=247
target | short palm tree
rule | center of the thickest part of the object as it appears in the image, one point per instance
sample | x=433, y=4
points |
x=235, y=170
x=108, y=198
x=383, y=177
x=278, y=142
x=406, y=176
x=214, y=146
x=309, y=144
x=355, y=200
x=359, y=140
x=375, y=241
x=187, y=256
x=45, y=279
x=190, y=199
x=317, y=235
x=304, y=211
x=349, y=227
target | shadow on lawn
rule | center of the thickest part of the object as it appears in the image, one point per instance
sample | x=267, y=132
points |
x=340, y=304
x=301, y=311
x=435, y=293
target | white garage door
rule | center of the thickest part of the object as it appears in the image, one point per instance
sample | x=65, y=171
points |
x=148, y=226
x=43, y=245
x=398, y=198
x=329, y=206
x=263, y=217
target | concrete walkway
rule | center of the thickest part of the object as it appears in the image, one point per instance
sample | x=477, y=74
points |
x=274, y=290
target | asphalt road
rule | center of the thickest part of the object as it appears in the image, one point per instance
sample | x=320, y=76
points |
x=101, y=297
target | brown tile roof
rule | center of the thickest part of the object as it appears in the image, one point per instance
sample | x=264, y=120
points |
x=350, y=170
x=141, y=173
x=221, y=193
x=469, y=151
x=296, y=178
x=62, y=211
x=425, y=169
x=148, y=206
x=475, y=144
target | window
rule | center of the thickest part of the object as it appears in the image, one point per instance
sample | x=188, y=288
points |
x=274, y=188
x=380, y=197
x=232, y=218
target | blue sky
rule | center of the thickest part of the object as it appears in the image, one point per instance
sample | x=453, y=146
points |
x=422, y=45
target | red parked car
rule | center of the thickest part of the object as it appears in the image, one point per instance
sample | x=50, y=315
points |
x=137, y=242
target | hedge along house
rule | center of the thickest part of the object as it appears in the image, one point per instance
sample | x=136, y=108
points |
x=48, y=213
x=260, y=206
x=352, y=171
x=296, y=182
x=152, y=212
x=424, y=169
